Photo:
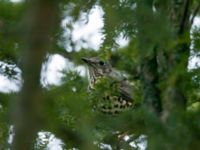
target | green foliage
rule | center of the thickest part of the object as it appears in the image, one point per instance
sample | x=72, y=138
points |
x=9, y=30
x=154, y=62
x=4, y=121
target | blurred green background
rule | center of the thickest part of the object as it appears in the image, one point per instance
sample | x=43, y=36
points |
x=154, y=43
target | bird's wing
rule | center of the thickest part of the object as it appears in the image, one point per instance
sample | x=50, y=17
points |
x=125, y=90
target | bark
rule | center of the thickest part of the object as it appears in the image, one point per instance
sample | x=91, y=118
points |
x=40, y=22
x=148, y=43
x=147, y=46
x=177, y=60
x=175, y=76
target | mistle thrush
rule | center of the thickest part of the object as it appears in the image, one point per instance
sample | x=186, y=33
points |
x=109, y=103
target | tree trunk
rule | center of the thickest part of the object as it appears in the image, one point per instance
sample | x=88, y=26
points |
x=40, y=22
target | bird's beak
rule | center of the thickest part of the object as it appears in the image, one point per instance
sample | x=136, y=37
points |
x=86, y=60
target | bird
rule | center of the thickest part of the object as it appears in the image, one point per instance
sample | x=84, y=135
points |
x=111, y=102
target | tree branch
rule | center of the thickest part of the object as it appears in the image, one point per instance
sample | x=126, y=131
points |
x=183, y=22
x=196, y=10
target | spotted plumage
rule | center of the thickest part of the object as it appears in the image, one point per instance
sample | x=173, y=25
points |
x=109, y=103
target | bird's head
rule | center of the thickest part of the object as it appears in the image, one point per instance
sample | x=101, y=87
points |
x=97, y=67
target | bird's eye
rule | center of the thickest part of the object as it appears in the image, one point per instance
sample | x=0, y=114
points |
x=101, y=63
